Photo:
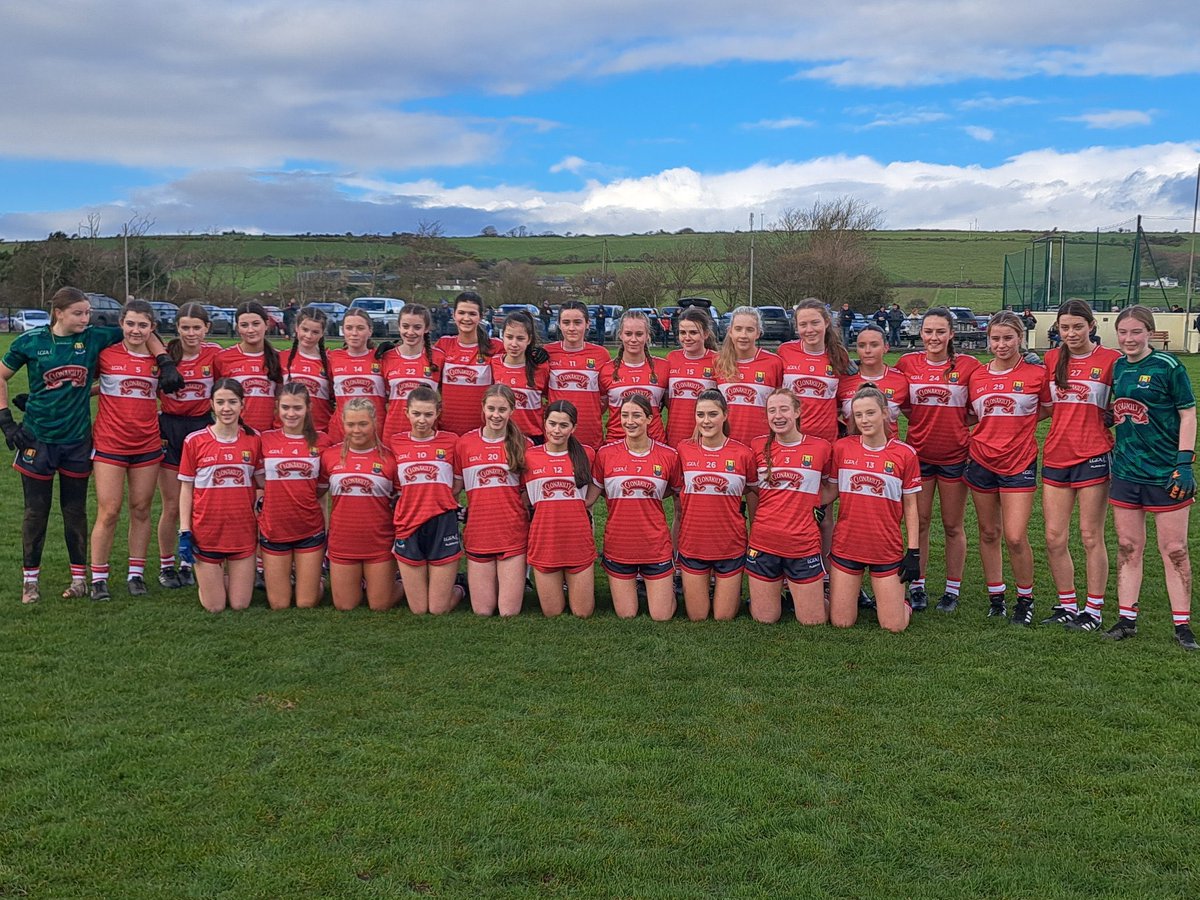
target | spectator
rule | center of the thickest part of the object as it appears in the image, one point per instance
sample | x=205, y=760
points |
x=1027, y=318
x=846, y=322
x=289, y=317
x=881, y=317
x=600, y=330
x=546, y=316
x=895, y=318
x=912, y=328
x=1053, y=336
x=441, y=319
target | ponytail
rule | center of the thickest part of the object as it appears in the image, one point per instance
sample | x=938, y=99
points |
x=578, y=456
x=1083, y=310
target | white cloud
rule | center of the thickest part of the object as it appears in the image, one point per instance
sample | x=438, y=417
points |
x=901, y=119
x=1112, y=118
x=780, y=124
x=988, y=102
x=979, y=132
x=569, y=164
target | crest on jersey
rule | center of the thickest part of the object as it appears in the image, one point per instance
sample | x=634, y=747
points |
x=730, y=466
x=246, y=456
x=952, y=377
x=441, y=453
x=1095, y=373
x=376, y=468
x=889, y=467
x=828, y=371
x=889, y=393
x=1143, y=381
x=79, y=345
x=760, y=377
x=428, y=371
x=313, y=451
x=375, y=368
x=806, y=461
x=1018, y=387
x=658, y=471
x=591, y=363
x=752, y=553
x=206, y=371
x=708, y=372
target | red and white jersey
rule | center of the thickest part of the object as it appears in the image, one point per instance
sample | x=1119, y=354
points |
x=291, y=487
x=746, y=393
x=787, y=495
x=361, y=488
x=812, y=379
x=222, y=475
x=649, y=377
x=894, y=385
x=195, y=397
x=425, y=474
x=467, y=374
x=402, y=374
x=560, y=534
x=871, y=488
x=1077, y=429
x=938, y=404
x=575, y=376
x=310, y=371
x=356, y=376
x=634, y=486
x=250, y=371
x=497, y=519
x=127, y=413
x=687, y=378
x=1005, y=440
x=530, y=398
x=711, y=524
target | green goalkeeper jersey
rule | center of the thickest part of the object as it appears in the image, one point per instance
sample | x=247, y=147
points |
x=1147, y=397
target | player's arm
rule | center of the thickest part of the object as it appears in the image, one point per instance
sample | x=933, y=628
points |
x=15, y=435
x=186, y=497
x=1187, y=430
x=751, y=503
x=829, y=492
x=592, y=495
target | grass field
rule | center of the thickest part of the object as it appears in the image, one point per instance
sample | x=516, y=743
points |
x=148, y=749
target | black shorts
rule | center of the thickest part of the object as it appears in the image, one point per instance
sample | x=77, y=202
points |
x=41, y=461
x=173, y=430
x=128, y=460
x=854, y=567
x=797, y=570
x=215, y=558
x=283, y=548
x=985, y=481
x=436, y=542
x=1085, y=474
x=722, y=568
x=630, y=571
x=952, y=472
x=1150, y=497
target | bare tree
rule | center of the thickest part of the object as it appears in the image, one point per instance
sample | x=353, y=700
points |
x=517, y=282
x=636, y=286
x=728, y=270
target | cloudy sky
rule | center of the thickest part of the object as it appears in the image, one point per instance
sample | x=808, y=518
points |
x=612, y=116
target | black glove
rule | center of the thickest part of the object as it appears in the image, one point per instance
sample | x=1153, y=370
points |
x=169, y=379
x=539, y=355
x=383, y=347
x=462, y=515
x=15, y=434
x=19, y=401
x=819, y=513
x=910, y=566
x=1109, y=418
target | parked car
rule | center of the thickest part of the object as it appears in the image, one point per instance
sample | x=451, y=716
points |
x=5, y=324
x=275, y=320
x=335, y=311
x=968, y=332
x=105, y=310
x=777, y=324
x=659, y=330
x=721, y=325
x=502, y=312
x=611, y=314
x=384, y=313
x=167, y=315
x=25, y=319
x=221, y=320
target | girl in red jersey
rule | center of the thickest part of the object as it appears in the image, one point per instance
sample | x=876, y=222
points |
x=127, y=447
x=1075, y=463
x=636, y=473
x=872, y=346
x=183, y=412
x=308, y=364
x=690, y=369
x=634, y=371
x=291, y=517
x=785, y=540
x=468, y=369
x=1002, y=461
x=718, y=472
x=937, y=413
x=562, y=543
x=878, y=479
x=361, y=476
x=575, y=372
x=356, y=371
x=219, y=473
x=427, y=546
x=254, y=363
x=490, y=461
x=525, y=369
x=746, y=374
x=413, y=363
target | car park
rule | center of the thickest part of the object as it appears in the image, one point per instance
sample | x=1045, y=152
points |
x=334, y=311
x=968, y=333
x=660, y=329
x=505, y=309
x=105, y=310
x=777, y=324
x=221, y=320
x=275, y=320
x=384, y=313
x=611, y=314
x=26, y=319
x=166, y=314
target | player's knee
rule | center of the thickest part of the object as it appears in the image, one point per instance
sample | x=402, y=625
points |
x=1176, y=552
x=989, y=534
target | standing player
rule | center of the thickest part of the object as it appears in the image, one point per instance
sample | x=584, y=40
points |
x=878, y=479
x=562, y=544
x=291, y=519
x=523, y=367
x=1075, y=464
x=785, y=542
x=746, y=374
x=634, y=371
x=718, y=473
x=413, y=363
x=127, y=448
x=872, y=346
x=1155, y=413
x=575, y=372
x=636, y=473
x=219, y=474
x=356, y=371
x=468, y=370
x=188, y=409
x=937, y=430
x=254, y=363
x=690, y=369
x=490, y=462
x=1002, y=461
x=427, y=546
x=308, y=364
x=361, y=476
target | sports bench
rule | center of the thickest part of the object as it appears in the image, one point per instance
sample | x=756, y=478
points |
x=1160, y=337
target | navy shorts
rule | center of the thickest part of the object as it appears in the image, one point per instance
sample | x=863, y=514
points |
x=1085, y=474
x=630, y=571
x=283, y=548
x=215, y=558
x=436, y=542
x=173, y=430
x=41, y=461
x=952, y=472
x=797, y=569
x=722, y=568
x=854, y=567
x=984, y=480
x=1150, y=497
x=128, y=460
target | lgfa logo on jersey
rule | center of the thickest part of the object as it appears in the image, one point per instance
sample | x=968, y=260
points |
x=729, y=465
x=1095, y=374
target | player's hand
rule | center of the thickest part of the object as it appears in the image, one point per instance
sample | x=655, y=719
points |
x=1182, y=483
x=15, y=434
x=462, y=515
x=539, y=355
x=187, y=549
x=819, y=513
x=1109, y=418
x=169, y=379
x=910, y=566
x=1032, y=358
x=383, y=347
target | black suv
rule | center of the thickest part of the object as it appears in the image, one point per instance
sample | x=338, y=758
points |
x=105, y=310
x=777, y=324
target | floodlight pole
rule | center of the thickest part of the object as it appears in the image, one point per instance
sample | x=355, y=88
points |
x=1192, y=258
